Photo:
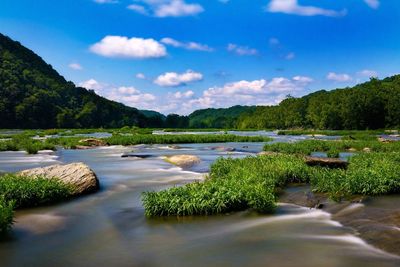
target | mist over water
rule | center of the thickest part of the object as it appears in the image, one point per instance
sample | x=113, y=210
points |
x=109, y=228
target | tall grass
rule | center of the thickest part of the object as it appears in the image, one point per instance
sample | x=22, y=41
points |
x=23, y=192
x=254, y=182
x=332, y=148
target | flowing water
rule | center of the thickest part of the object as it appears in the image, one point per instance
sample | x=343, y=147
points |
x=109, y=228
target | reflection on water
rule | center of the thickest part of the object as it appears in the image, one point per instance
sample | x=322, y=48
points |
x=109, y=228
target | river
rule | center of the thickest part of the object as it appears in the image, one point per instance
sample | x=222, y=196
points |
x=109, y=228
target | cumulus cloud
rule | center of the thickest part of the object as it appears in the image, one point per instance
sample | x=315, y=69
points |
x=171, y=79
x=92, y=84
x=368, y=73
x=339, y=77
x=294, y=8
x=127, y=95
x=75, y=66
x=124, y=47
x=167, y=8
x=140, y=76
x=256, y=92
x=138, y=9
x=242, y=50
x=372, y=3
x=187, y=45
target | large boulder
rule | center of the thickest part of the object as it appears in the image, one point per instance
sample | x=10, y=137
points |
x=184, y=161
x=79, y=175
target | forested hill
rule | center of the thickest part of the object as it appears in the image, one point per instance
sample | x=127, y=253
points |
x=34, y=95
x=217, y=117
x=371, y=105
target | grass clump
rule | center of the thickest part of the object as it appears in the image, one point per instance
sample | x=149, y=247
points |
x=26, y=143
x=233, y=185
x=6, y=215
x=23, y=192
x=332, y=148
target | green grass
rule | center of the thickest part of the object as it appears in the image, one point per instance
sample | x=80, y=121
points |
x=233, y=185
x=6, y=215
x=332, y=148
x=26, y=143
x=23, y=192
x=255, y=182
x=181, y=139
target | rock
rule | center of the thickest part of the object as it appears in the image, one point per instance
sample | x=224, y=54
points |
x=91, y=142
x=367, y=149
x=326, y=162
x=352, y=149
x=384, y=140
x=223, y=149
x=78, y=175
x=140, y=156
x=185, y=161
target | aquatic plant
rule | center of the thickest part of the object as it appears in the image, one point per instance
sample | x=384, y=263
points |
x=29, y=192
x=6, y=215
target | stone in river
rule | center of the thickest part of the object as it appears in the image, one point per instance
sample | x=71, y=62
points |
x=79, y=175
x=185, y=161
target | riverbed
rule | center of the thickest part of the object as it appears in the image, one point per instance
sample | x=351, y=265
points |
x=109, y=228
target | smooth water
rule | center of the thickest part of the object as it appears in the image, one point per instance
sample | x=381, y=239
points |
x=109, y=228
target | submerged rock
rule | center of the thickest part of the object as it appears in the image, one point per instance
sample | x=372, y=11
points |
x=326, y=162
x=185, y=161
x=78, y=175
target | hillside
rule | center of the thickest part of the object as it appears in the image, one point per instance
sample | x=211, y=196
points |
x=34, y=95
x=371, y=105
x=217, y=118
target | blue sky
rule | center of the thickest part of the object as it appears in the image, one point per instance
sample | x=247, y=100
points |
x=181, y=55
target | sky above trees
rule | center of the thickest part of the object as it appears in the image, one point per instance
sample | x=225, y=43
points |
x=182, y=55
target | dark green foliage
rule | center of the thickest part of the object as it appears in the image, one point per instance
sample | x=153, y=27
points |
x=222, y=118
x=371, y=105
x=28, y=192
x=6, y=215
x=34, y=95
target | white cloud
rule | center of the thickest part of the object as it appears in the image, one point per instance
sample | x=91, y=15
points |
x=170, y=79
x=294, y=8
x=343, y=77
x=140, y=76
x=167, y=8
x=180, y=95
x=138, y=8
x=127, y=95
x=105, y=1
x=372, y=3
x=368, y=73
x=256, y=92
x=242, y=50
x=92, y=84
x=75, y=66
x=187, y=45
x=290, y=56
x=123, y=47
